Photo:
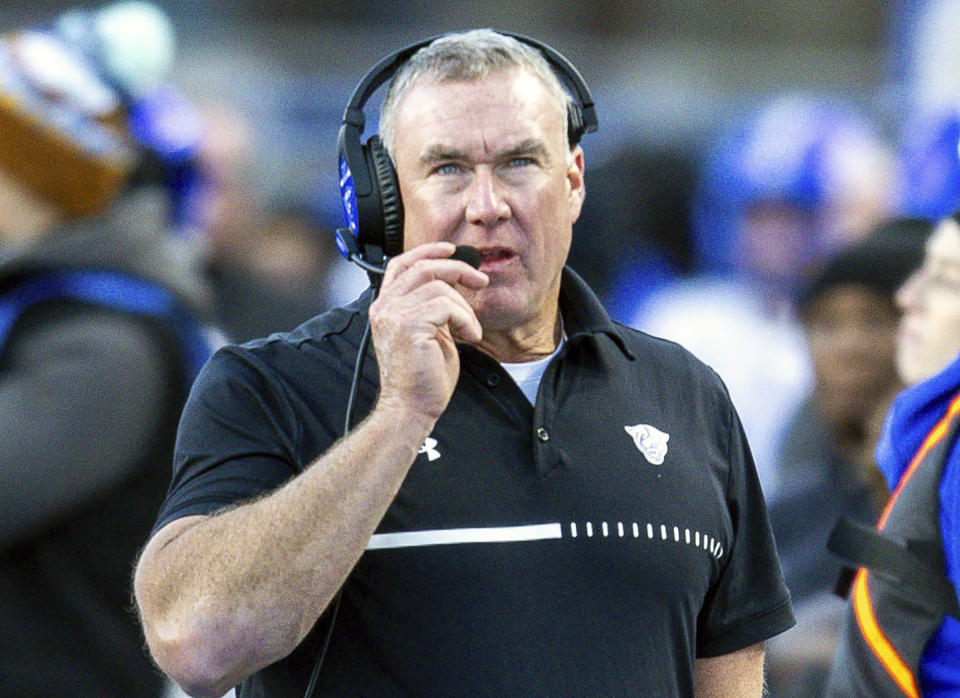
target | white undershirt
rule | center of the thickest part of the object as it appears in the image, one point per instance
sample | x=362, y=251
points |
x=527, y=375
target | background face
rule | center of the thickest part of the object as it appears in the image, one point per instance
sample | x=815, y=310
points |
x=776, y=241
x=485, y=163
x=851, y=330
x=929, y=336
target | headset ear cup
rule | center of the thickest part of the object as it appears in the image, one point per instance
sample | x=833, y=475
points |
x=391, y=204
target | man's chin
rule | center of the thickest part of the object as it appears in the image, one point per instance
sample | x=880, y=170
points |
x=498, y=319
x=497, y=311
x=502, y=307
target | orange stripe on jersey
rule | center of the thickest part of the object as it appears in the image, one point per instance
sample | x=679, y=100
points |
x=937, y=433
x=877, y=641
x=862, y=607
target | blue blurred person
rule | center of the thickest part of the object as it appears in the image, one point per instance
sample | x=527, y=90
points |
x=781, y=188
x=928, y=181
x=100, y=337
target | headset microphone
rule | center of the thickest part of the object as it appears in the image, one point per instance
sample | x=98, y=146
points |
x=463, y=253
x=468, y=254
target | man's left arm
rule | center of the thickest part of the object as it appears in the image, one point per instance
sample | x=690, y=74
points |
x=738, y=674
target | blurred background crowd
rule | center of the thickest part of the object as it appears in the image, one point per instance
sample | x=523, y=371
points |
x=763, y=179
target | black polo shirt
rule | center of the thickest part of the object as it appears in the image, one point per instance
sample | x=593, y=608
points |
x=593, y=544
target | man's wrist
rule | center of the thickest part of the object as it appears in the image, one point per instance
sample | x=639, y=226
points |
x=400, y=419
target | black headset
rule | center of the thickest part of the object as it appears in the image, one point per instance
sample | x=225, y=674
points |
x=369, y=192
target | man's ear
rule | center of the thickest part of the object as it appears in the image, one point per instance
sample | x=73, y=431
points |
x=575, y=179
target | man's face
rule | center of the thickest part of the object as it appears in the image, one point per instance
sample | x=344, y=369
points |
x=485, y=163
x=929, y=336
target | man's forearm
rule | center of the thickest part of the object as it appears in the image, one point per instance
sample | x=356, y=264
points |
x=735, y=675
x=225, y=595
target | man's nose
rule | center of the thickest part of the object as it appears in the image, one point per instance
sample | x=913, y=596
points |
x=486, y=202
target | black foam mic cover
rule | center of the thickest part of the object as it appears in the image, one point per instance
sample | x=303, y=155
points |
x=468, y=254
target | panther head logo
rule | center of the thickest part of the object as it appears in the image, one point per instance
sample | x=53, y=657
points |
x=650, y=441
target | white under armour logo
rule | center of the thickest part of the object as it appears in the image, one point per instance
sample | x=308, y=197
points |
x=650, y=441
x=430, y=448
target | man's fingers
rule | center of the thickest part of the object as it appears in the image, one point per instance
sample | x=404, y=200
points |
x=397, y=265
x=440, y=313
x=436, y=303
x=428, y=262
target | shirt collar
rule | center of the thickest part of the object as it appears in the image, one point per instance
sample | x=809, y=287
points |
x=584, y=314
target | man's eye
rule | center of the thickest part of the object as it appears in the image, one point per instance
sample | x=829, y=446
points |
x=520, y=162
x=447, y=168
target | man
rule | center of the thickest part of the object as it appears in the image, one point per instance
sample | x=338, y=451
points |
x=901, y=635
x=482, y=541
x=850, y=321
x=99, y=341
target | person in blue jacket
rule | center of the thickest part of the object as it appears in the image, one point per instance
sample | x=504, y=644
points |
x=100, y=338
x=902, y=633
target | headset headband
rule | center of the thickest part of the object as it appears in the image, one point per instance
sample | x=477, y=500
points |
x=389, y=65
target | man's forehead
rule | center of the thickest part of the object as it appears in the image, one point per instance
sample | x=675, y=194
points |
x=462, y=127
x=436, y=150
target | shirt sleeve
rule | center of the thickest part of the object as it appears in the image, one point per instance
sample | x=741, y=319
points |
x=750, y=602
x=236, y=440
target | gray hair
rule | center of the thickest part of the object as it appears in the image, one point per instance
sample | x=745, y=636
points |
x=467, y=56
